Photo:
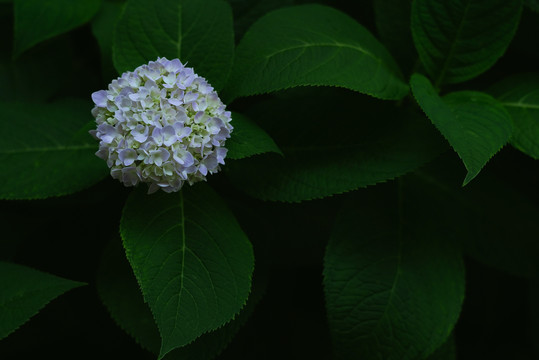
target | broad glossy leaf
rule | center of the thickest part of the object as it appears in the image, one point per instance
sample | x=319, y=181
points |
x=45, y=150
x=334, y=141
x=37, y=20
x=25, y=291
x=394, y=283
x=519, y=94
x=121, y=295
x=192, y=261
x=475, y=124
x=119, y=291
x=197, y=32
x=313, y=45
x=248, y=139
x=460, y=39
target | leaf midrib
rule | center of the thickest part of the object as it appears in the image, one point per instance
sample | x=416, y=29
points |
x=182, y=271
x=447, y=60
x=521, y=105
x=335, y=44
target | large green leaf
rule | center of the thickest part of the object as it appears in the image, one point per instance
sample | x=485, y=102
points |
x=333, y=142
x=519, y=94
x=248, y=139
x=45, y=150
x=475, y=124
x=37, y=20
x=192, y=261
x=119, y=291
x=313, y=45
x=25, y=291
x=394, y=282
x=197, y=32
x=459, y=39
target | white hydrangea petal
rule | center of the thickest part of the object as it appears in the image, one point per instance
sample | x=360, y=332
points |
x=161, y=124
x=100, y=98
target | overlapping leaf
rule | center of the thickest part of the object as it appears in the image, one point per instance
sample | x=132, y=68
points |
x=45, y=150
x=312, y=45
x=24, y=292
x=394, y=282
x=474, y=123
x=121, y=295
x=37, y=20
x=191, y=259
x=333, y=142
x=199, y=33
x=460, y=39
x=519, y=94
x=248, y=139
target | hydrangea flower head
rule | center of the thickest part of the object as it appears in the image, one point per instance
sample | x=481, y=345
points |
x=161, y=124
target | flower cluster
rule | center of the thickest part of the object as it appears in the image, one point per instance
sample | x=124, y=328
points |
x=161, y=124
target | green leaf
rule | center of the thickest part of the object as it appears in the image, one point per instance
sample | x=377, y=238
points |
x=45, y=150
x=333, y=142
x=394, y=283
x=25, y=291
x=37, y=20
x=519, y=94
x=313, y=45
x=248, y=139
x=197, y=32
x=120, y=293
x=460, y=39
x=192, y=261
x=475, y=124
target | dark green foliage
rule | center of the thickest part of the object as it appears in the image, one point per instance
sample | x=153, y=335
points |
x=249, y=139
x=191, y=259
x=519, y=94
x=199, y=32
x=474, y=123
x=300, y=46
x=344, y=142
x=37, y=20
x=393, y=289
x=338, y=227
x=24, y=292
x=46, y=150
x=459, y=39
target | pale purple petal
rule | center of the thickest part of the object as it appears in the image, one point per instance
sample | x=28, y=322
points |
x=100, y=98
x=127, y=156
